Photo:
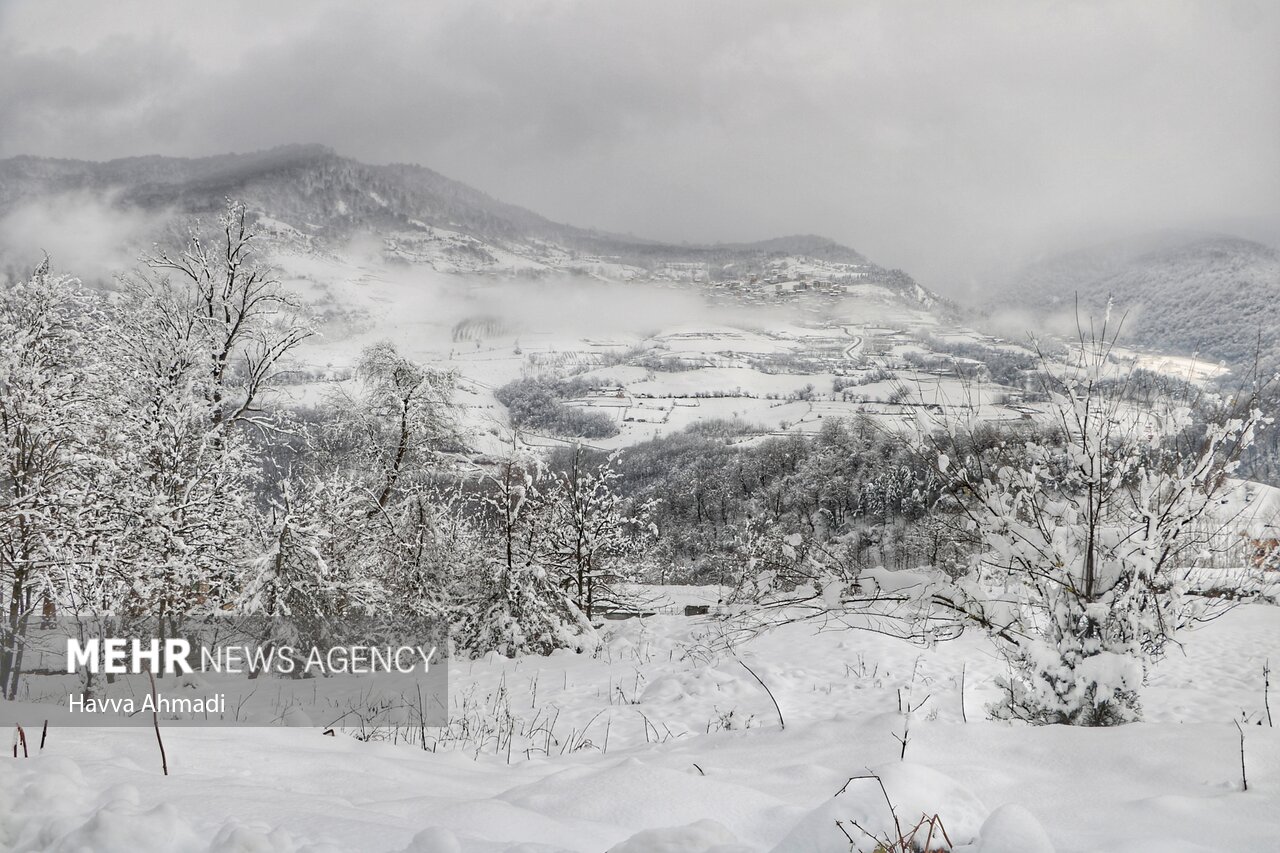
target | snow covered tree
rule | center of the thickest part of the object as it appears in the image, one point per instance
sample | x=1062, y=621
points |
x=186, y=496
x=400, y=421
x=200, y=335
x=395, y=526
x=45, y=394
x=516, y=606
x=1089, y=536
x=300, y=593
x=594, y=542
x=217, y=309
x=430, y=552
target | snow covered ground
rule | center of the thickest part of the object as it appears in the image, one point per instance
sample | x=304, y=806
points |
x=665, y=743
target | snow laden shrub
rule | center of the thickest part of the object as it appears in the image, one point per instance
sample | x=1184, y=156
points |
x=1089, y=537
x=791, y=568
x=521, y=611
x=792, y=577
x=428, y=549
x=516, y=605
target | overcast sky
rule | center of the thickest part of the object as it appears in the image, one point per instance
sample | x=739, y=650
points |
x=940, y=137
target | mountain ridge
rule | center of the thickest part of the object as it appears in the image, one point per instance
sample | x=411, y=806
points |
x=391, y=195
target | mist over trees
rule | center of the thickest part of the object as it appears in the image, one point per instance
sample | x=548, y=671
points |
x=1208, y=295
x=154, y=485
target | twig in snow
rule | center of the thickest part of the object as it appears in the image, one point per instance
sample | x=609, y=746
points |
x=905, y=738
x=781, y=722
x=155, y=721
x=899, y=842
x=1266, y=690
x=1244, y=780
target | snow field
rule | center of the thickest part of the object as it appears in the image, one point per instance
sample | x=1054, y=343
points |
x=664, y=742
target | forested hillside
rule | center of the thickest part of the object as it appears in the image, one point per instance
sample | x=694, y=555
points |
x=1183, y=293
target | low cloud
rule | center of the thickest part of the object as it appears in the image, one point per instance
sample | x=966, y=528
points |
x=84, y=234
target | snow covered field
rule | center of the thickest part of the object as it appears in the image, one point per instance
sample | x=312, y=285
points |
x=665, y=743
x=732, y=361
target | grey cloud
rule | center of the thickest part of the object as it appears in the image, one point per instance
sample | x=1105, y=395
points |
x=944, y=138
x=80, y=231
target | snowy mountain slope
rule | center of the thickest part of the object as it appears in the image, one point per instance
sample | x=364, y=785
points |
x=313, y=198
